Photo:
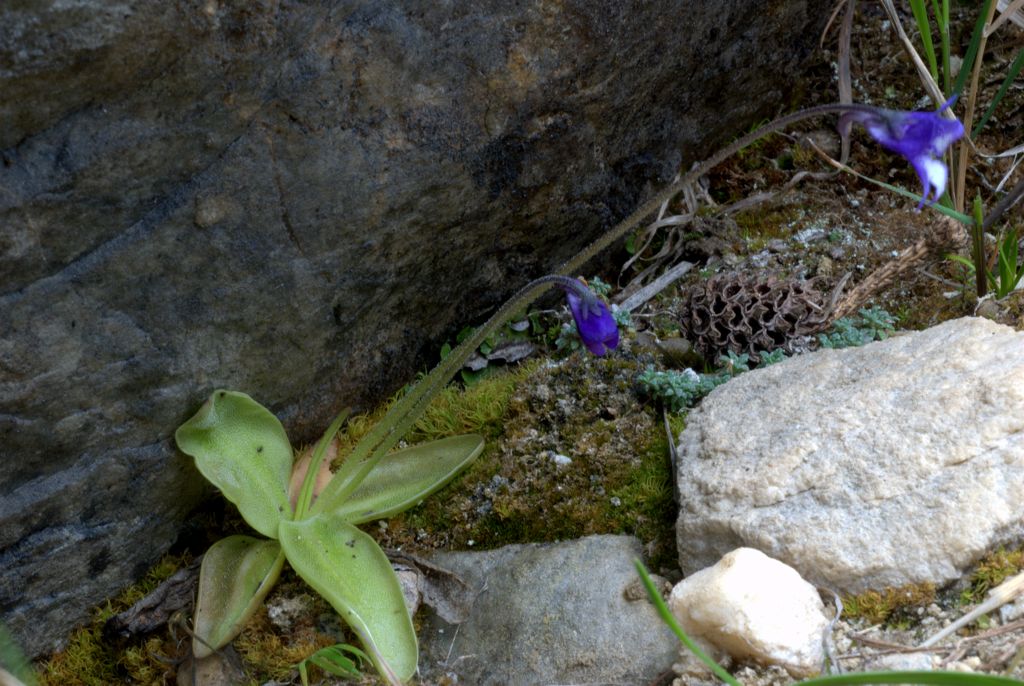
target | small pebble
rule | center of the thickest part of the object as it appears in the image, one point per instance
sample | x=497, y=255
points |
x=754, y=607
x=561, y=460
x=811, y=234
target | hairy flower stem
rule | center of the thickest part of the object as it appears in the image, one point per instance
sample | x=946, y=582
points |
x=403, y=414
x=652, y=205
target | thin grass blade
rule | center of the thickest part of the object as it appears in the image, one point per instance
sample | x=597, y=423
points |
x=668, y=618
x=972, y=48
x=925, y=29
x=1011, y=76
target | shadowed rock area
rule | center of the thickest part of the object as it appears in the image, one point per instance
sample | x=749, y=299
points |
x=300, y=201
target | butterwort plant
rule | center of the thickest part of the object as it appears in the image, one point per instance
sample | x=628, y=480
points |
x=309, y=516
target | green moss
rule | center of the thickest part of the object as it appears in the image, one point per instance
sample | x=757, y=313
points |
x=521, y=489
x=455, y=410
x=479, y=408
x=891, y=606
x=89, y=660
x=994, y=569
x=759, y=226
x=267, y=655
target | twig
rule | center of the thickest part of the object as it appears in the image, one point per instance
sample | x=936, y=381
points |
x=997, y=597
x=1006, y=14
x=959, y=198
x=657, y=286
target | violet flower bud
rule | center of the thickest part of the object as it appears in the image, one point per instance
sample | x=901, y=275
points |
x=921, y=137
x=594, y=322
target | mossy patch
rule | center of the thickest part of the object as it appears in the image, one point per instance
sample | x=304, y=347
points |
x=455, y=410
x=90, y=660
x=893, y=606
x=269, y=655
x=578, y=455
x=759, y=226
x=994, y=569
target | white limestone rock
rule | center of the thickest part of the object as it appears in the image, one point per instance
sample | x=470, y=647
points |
x=898, y=462
x=754, y=608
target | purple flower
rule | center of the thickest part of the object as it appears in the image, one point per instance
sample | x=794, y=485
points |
x=596, y=326
x=921, y=137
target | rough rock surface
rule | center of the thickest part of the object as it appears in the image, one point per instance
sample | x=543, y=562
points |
x=550, y=614
x=898, y=462
x=294, y=200
x=754, y=608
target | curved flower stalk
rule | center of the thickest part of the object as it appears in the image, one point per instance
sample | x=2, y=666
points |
x=927, y=139
x=921, y=137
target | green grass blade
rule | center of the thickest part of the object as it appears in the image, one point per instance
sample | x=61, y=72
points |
x=11, y=658
x=1009, y=277
x=666, y=616
x=942, y=17
x=333, y=660
x=1011, y=75
x=962, y=260
x=335, y=664
x=972, y=48
x=948, y=211
x=925, y=29
x=1005, y=275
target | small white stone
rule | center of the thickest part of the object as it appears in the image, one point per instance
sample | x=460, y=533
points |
x=561, y=460
x=901, y=662
x=1012, y=611
x=409, y=580
x=753, y=607
x=283, y=612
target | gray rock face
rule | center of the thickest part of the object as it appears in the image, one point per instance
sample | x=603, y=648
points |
x=899, y=462
x=300, y=200
x=550, y=614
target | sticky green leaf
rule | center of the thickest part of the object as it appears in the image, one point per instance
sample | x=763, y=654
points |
x=236, y=575
x=242, y=449
x=403, y=478
x=349, y=569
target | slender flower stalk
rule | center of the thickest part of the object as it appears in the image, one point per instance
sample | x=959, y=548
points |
x=594, y=322
x=650, y=206
x=919, y=136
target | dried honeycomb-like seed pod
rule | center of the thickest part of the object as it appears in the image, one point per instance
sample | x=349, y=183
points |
x=751, y=314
